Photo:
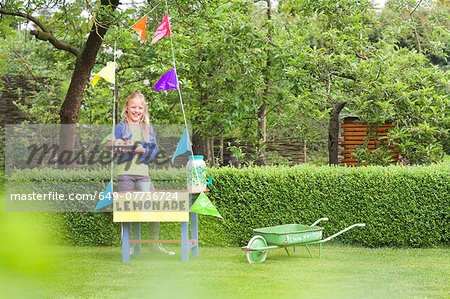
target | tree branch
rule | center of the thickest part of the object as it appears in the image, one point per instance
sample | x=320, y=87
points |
x=278, y=105
x=43, y=34
x=344, y=76
x=27, y=66
x=415, y=8
x=416, y=34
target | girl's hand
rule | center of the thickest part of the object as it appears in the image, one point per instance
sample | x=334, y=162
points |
x=140, y=149
x=121, y=151
x=118, y=151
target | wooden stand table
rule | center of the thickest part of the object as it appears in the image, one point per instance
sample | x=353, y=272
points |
x=186, y=242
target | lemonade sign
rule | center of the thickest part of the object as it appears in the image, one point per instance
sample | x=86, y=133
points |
x=151, y=206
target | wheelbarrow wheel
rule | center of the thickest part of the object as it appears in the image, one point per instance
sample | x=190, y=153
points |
x=259, y=256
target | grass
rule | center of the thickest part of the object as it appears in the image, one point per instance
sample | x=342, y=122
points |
x=31, y=268
x=342, y=272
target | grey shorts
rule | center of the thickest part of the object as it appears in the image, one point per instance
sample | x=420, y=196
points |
x=135, y=183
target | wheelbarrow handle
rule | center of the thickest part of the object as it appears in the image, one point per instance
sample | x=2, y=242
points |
x=321, y=219
x=341, y=232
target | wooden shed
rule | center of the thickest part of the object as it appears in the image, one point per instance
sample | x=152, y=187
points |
x=354, y=134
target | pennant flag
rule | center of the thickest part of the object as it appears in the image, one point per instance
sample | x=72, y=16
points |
x=204, y=206
x=139, y=27
x=107, y=197
x=108, y=138
x=162, y=30
x=168, y=81
x=184, y=145
x=107, y=73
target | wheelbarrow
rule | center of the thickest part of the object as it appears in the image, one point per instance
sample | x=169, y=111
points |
x=282, y=236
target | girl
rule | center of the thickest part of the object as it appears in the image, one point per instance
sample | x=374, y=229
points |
x=133, y=165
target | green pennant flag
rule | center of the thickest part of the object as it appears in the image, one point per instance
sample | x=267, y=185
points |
x=204, y=206
x=108, y=138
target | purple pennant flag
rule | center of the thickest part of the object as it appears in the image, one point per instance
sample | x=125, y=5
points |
x=168, y=81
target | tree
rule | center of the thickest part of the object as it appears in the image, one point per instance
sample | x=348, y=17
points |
x=343, y=66
x=84, y=58
x=336, y=37
x=421, y=25
x=210, y=40
x=223, y=57
x=245, y=67
x=401, y=87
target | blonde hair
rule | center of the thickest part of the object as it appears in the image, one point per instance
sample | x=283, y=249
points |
x=144, y=122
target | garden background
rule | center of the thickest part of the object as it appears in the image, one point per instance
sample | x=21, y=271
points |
x=254, y=75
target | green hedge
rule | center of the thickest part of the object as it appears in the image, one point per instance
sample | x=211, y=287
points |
x=401, y=206
x=91, y=228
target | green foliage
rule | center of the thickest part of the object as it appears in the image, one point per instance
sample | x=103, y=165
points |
x=238, y=153
x=50, y=174
x=90, y=228
x=398, y=86
x=401, y=206
x=309, y=56
x=98, y=175
x=83, y=229
x=335, y=54
x=46, y=79
x=420, y=25
x=382, y=155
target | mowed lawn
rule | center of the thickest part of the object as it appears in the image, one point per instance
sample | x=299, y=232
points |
x=342, y=272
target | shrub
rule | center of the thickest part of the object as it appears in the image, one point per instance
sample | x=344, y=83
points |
x=401, y=206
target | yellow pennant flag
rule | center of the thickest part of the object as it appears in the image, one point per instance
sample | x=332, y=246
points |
x=107, y=73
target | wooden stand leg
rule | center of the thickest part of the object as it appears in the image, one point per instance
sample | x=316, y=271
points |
x=137, y=236
x=194, y=234
x=184, y=241
x=126, y=242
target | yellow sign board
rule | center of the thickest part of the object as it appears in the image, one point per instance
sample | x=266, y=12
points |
x=157, y=206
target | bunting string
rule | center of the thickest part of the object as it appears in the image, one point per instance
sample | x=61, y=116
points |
x=179, y=90
x=114, y=119
x=168, y=81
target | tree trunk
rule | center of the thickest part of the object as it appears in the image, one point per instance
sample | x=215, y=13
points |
x=210, y=151
x=80, y=77
x=262, y=130
x=221, y=145
x=198, y=144
x=203, y=146
x=305, y=151
x=333, y=133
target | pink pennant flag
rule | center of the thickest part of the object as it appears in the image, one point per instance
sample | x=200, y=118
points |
x=162, y=30
x=140, y=26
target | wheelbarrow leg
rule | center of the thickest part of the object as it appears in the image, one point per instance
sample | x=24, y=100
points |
x=285, y=248
x=320, y=250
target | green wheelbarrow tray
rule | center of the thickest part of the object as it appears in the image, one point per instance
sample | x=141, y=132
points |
x=282, y=236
